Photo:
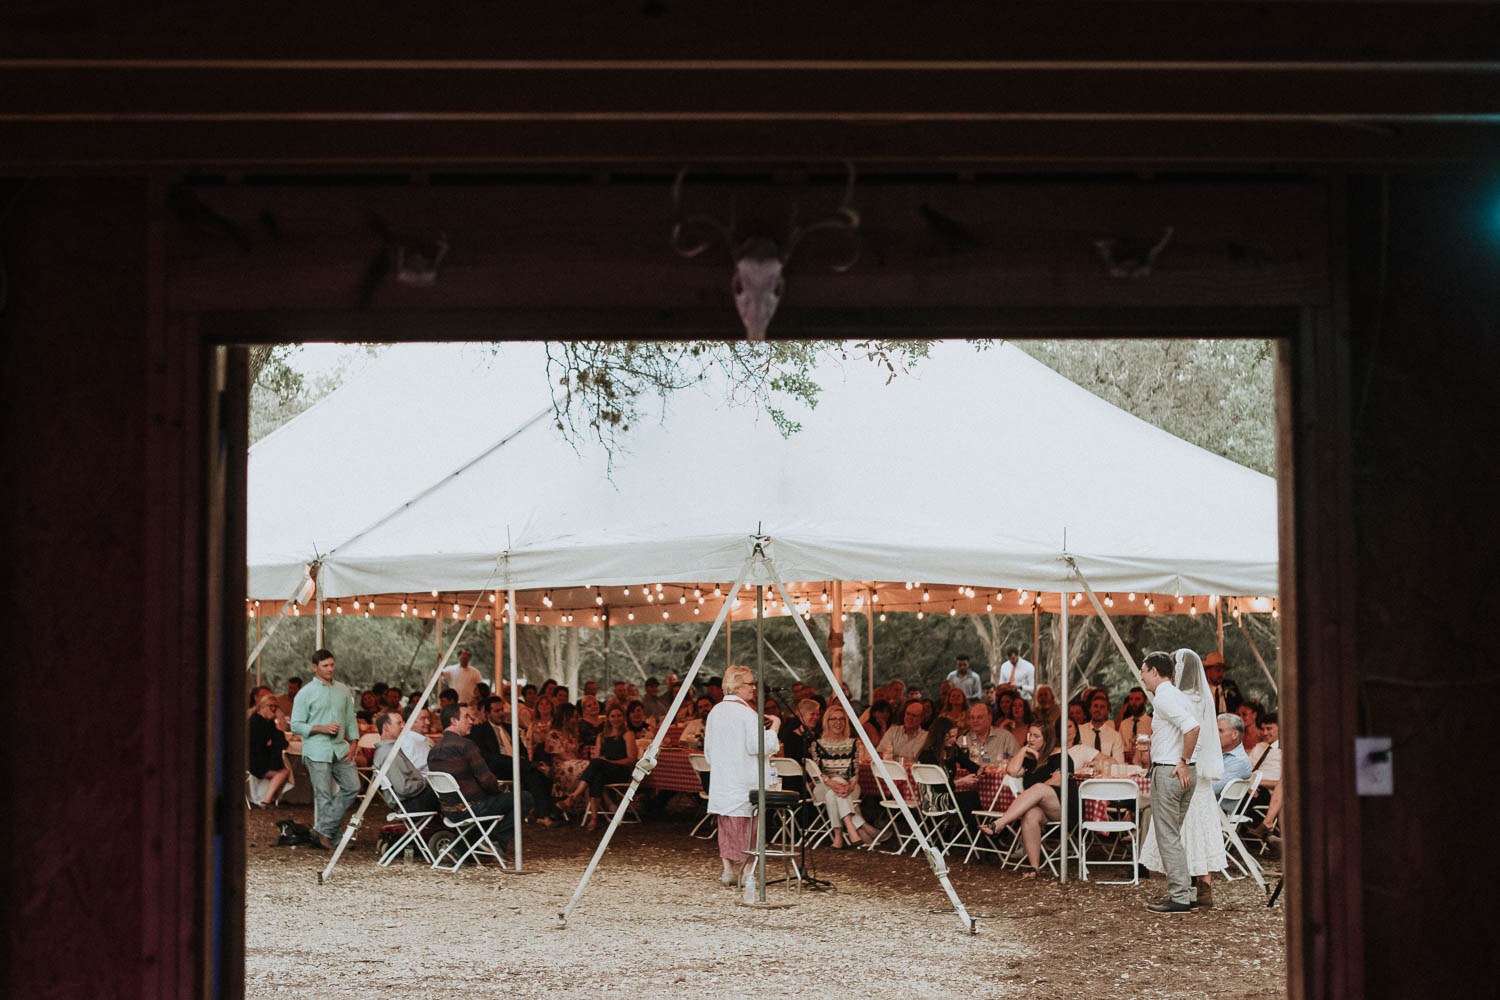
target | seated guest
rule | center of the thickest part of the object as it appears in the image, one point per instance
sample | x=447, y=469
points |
x=833, y=766
x=457, y=755
x=929, y=711
x=406, y=778
x=656, y=708
x=621, y=699
x=877, y=719
x=897, y=689
x=1249, y=713
x=1081, y=754
x=559, y=697
x=390, y=699
x=1267, y=756
x=481, y=692
x=905, y=741
x=536, y=745
x=941, y=748
x=562, y=744
x=1004, y=696
x=1019, y=720
x=369, y=704
x=615, y=755
x=491, y=734
x=447, y=697
x=956, y=707
x=714, y=687
x=1077, y=714
x=642, y=728
x=416, y=744
x=1044, y=708
x=266, y=744
x=1133, y=722
x=1098, y=732
x=1039, y=766
x=692, y=733
x=284, y=701
x=1236, y=762
x=796, y=739
x=1266, y=827
x=983, y=741
x=590, y=719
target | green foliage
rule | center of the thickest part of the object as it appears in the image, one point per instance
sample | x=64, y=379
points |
x=1217, y=394
x=598, y=386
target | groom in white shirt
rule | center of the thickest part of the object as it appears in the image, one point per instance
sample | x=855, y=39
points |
x=1174, y=736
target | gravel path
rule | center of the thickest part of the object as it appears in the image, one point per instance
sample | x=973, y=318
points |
x=654, y=923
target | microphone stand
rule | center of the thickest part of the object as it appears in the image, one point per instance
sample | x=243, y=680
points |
x=806, y=877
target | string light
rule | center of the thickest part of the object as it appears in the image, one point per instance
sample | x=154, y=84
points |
x=875, y=597
x=257, y=604
x=908, y=584
x=1132, y=595
x=495, y=598
x=486, y=617
x=658, y=588
x=682, y=599
x=988, y=606
x=455, y=607
x=695, y=610
x=1109, y=602
x=926, y=596
x=627, y=591
x=434, y=612
x=921, y=615
x=547, y=598
x=296, y=613
x=596, y=618
x=882, y=616
x=631, y=616
x=526, y=619
x=434, y=593
x=403, y=605
x=718, y=592
x=1193, y=610
x=700, y=602
x=697, y=592
x=952, y=610
x=599, y=597
x=649, y=597
x=356, y=604
x=367, y=614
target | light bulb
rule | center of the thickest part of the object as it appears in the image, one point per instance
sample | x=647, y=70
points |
x=921, y=615
x=649, y=597
x=664, y=614
x=1132, y=595
x=495, y=598
x=599, y=599
x=367, y=614
x=695, y=611
x=403, y=605
x=627, y=591
x=631, y=616
x=908, y=584
x=697, y=592
x=700, y=600
x=356, y=604
x=874, y=598
x=926, y=596
x=682, y=599
x=434, y=593
x=596, y=618
x=257, y=604
x=658, y=588
x=882, y=616
x=486, y=617
x=718, y=592
x=988, y=606
x=455, y=607
x=952, y=611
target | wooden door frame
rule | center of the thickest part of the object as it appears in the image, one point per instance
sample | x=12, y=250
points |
x=1322, y=863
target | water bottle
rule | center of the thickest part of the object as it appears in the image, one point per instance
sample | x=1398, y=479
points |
x=750, y=888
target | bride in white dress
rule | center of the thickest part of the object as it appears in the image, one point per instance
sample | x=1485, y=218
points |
x=1202, y=836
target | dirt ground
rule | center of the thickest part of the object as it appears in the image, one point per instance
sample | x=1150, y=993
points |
x=655, y=923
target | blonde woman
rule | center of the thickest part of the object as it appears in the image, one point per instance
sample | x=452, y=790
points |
x=833, y=764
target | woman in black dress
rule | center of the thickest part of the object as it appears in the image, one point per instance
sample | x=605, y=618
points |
x=1039, y=766
x=614, y=757
x=266, y=745
x=942, y=749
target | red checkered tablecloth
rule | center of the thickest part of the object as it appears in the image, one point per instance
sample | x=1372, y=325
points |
x=673, y=773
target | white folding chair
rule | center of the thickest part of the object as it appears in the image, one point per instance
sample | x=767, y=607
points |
x=414, y=826
x=886, y=772
x=817, y=830
x=1240, y=792
x=939, y=807
x=989, y=812
x=786, y=769
x=700, y=765
x=473, y=832
x=610, y=800
x=1117, y=793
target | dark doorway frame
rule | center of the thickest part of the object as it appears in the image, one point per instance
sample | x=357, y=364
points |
x=1322, y=860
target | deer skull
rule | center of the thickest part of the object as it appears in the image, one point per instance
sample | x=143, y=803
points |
x=759, y=261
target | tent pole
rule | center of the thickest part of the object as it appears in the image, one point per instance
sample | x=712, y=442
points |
x=1276, y=688
x=258, y=617
x=318, y=599
x=1062, y=723
x=439, y=617
x=286, y=609
x=934, y=859
x=647, y=761
x=607, y=684
x=1036, y=638
x=411, y=718
x=1109, y=626
x=498, y=670
x=760, y=743
x=870, y=647
x=515, y=734
x=836, y=630
x=728, y=637
x=1219, y=621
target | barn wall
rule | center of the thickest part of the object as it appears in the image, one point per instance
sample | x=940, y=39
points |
x=1426, y=489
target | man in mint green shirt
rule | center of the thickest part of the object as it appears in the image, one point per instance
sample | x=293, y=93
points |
x=323, y=715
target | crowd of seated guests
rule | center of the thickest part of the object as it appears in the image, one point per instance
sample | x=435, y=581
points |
x=570, y=749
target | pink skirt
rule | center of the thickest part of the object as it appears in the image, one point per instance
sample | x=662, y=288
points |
x=734, y=837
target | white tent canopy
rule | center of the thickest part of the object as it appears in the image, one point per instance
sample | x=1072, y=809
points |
x=441, y=463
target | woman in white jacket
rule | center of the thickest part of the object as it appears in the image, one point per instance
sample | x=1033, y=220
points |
x=731, y=742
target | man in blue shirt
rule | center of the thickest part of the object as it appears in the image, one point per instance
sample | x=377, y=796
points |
x=323, y=715
x=1236, y=761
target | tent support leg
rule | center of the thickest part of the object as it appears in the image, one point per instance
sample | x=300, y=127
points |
x=515, y=734
x=1109, y=626
x=1062, y=741
x=647, y=761
x=934, y=859
x=1258, y=658
x=364, y=803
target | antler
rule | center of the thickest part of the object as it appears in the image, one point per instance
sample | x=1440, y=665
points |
x=684, y=221
x=844, y=218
